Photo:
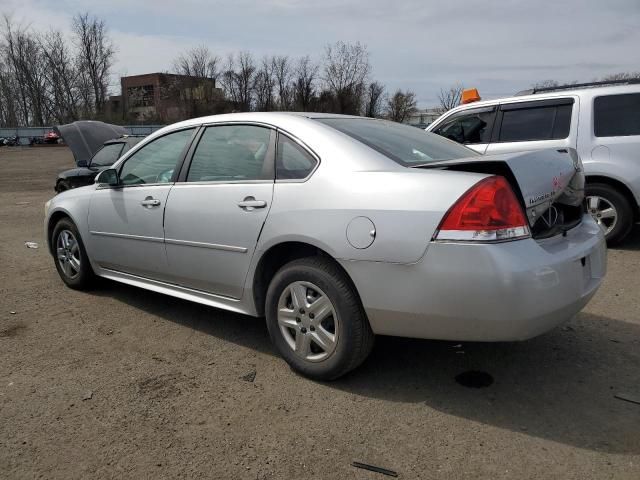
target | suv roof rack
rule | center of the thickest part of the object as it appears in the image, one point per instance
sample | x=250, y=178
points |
x=604, y=83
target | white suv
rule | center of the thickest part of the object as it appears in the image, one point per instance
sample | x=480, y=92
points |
x=600, y=120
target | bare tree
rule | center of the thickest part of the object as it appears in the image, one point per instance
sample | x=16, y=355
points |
x=375, y=97
x=345, y=71
x=545, y=84
x=199, y=70
x=22, y=53
x=95, y=55
x=401, y=105
x=10, y=113
x=238, y=80
x=282, y=70
x=264, y=86
x=620, y=76
x=245, y=79
x=44, y=78
x=198, y=62
x=228, y=80
x=304, y=84
x=450, y=98
x=61, y=77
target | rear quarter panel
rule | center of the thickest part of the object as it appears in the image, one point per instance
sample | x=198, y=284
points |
x=405, y=207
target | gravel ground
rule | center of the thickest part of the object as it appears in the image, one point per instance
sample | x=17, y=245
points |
x=121, y=382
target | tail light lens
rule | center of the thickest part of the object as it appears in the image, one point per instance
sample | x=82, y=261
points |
x=488, y=212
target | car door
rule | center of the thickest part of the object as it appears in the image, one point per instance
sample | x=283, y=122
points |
x=612, y=144
x=534, y=125
x=126, y=221
x=216, y=211
x=471, y=127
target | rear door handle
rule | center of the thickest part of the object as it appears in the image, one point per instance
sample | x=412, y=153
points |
x=250, y=203
x=150, y=202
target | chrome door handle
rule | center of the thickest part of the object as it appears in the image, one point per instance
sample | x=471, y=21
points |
x=249, y=203
x=150, y=202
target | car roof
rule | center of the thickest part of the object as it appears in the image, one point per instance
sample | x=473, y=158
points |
x=266, y=117
x=579, y=92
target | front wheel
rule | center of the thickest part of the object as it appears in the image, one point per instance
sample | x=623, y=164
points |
x=611, y=210
x=70, y=256
x=315, y=319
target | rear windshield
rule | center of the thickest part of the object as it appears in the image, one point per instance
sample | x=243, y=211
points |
x=408, y=146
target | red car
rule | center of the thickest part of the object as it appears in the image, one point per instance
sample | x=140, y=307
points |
x=51, y=137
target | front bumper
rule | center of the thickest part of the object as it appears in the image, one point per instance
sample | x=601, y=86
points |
x=484, y=292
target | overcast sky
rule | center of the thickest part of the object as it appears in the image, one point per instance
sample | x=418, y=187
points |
x=499, y=47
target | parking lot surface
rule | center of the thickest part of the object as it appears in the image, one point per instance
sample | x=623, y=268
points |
x=122, y=382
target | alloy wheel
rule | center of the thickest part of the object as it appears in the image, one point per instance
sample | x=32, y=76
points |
x=308, y=321
x=603, y=212
x=68, y=253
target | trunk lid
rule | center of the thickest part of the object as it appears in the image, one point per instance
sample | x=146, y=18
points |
x=549, y=183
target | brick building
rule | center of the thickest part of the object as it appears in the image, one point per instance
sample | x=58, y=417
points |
x=166, y=98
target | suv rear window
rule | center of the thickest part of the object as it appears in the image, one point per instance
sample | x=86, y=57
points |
x=408, y=146
x=535, y=122
x=617, y=115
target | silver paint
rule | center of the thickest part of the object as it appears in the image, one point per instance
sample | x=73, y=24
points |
x=409, y=285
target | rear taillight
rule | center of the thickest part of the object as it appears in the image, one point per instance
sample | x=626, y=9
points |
x=488, y=212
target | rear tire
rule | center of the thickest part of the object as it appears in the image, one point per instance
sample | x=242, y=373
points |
x=323, y=340
x=601, y=198
x=70, y=256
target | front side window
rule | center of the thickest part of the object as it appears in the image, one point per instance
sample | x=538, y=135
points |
x=232, y=153
x=617, y=115
x=545, y=122
x=107, y=155
x=292, y=161
x=156, y=161
x=408, y=146
x=469, y=128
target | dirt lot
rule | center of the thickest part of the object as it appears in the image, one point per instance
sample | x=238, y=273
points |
x=126, y=383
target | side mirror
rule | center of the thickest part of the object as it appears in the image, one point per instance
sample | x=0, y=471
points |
x=83, y=163
x=108, y=177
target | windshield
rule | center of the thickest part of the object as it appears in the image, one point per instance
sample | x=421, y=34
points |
x=406, y=145
x=107, y=155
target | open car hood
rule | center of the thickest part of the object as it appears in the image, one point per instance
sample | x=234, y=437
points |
x=86, y=137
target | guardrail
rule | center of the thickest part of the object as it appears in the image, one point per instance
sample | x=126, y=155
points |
x=25, y=133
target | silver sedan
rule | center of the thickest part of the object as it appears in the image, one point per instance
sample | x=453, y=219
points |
x=338, y=228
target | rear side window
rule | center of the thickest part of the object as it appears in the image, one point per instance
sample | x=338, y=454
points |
x=408, y=146
x=292, y=161
x=617, y=115
x=107, y=155
x=535, y=122
x=470, y=127
x=232, y=153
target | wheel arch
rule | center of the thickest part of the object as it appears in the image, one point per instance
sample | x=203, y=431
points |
x=275, y=257
x=620, y=186
x=54, y=218
x=60, y=181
